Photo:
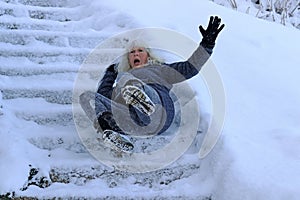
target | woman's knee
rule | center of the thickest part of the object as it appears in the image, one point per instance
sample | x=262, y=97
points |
x=86, y=96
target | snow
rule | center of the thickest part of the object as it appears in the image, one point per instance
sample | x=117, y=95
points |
x=257, y=155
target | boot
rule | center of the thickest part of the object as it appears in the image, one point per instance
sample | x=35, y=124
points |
x=136, y=97
x=113, y=136
x=107, y=122
x=117, y=141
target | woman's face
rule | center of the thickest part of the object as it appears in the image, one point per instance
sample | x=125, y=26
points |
x=138, y=57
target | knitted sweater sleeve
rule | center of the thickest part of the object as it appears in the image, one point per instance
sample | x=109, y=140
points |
x=106, y=84
x=180, y=71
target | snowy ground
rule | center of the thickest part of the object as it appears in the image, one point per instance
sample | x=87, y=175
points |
x=257, y=156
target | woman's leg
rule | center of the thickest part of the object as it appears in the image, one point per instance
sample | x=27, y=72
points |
x=86, y=101
x=98, y=110
x=135, y=121
x=124, y=118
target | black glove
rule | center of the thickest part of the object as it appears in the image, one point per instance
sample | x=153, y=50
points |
x=112, y=68
x=210, y=34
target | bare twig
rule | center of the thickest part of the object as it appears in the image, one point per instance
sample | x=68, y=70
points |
x=293, y=10
x=259, y=10
x=269, y=5
x=248, y=9
x=233, y=4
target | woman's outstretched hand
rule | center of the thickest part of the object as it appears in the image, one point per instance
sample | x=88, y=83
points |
x=210, y=34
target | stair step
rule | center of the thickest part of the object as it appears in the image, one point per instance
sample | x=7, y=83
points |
x=22, y=70
x=11, y=68
x=7, y=11
x=60, y=97
x=137, y=185
x=40, y=111
x=85, y=42
x=53, y=88
x=61, y=14
x=43, y=55
x=17, y=37
x=53, y=82
x=25, y=23
x=9, y=1
x=57, y=138
x=49, y=54
x=59, y=142
x=50, y=3
x=59, y=39
x=58, y=119
x=82, y=171
x=54, y=77
x=113, y=178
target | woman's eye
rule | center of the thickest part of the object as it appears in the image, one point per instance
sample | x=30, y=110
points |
x=137, y=50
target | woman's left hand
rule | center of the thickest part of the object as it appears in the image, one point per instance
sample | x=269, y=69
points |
x=210, y=34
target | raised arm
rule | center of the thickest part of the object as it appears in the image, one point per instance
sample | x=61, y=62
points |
x=193, y=65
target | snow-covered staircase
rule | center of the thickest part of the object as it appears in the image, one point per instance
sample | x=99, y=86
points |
x=43, y=45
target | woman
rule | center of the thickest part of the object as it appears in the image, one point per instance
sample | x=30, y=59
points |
x=133, y=97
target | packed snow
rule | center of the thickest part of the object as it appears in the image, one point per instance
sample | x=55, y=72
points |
x=258, y=153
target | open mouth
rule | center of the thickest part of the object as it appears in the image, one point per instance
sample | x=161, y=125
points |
x=136, y=61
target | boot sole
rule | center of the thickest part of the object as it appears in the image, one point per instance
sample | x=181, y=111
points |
x=137, y=98
x=117, y=142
